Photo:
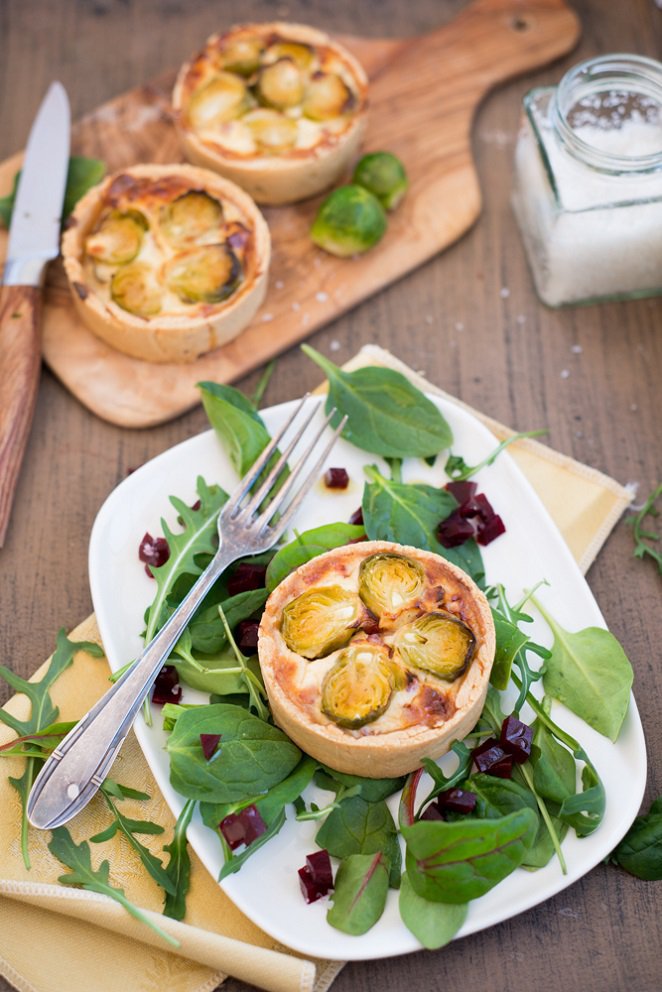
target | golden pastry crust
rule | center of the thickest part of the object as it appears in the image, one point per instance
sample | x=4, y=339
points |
x=323, y=149
x=426, y=713
x=180, y=330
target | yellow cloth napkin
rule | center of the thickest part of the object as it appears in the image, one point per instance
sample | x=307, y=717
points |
x=54, y=938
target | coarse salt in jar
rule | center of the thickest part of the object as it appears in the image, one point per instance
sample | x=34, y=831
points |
x=588, y=182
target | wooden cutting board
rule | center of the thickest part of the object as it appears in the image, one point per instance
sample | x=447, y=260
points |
x=424, y=92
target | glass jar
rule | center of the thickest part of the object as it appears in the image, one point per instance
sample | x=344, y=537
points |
x=588, y=182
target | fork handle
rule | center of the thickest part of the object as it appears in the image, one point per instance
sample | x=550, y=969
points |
x=78, y=765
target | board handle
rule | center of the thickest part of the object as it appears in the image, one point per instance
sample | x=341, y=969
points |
x=20, y=360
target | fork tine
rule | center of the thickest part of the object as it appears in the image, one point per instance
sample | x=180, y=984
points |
x=279, y=527
x=258, y=466
x=257, y=498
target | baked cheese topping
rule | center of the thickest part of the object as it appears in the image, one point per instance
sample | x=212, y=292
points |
x=376, y=643
x=167, y=247
x=255, y=94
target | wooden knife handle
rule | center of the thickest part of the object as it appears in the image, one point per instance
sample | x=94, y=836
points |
x=20, y=361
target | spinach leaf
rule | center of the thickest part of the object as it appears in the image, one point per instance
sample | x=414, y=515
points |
x=370, y=789
x=76, y=857
x=360, y=893
x=588, y=671
x=409, y=513
x=640, y=851
x=220, y=674
x=509, y=640
x=434, y=924
x=237, y=423
x=309, y=544
x=456, y=862
x=499, y=796
x=178, y=868
x=82, y=175
x=457, y=469
x=207, y=630
x=645, y=537
x=387, y=415
x=360, y=827
x=554, y=769
x=43, y=714
x=253, y=756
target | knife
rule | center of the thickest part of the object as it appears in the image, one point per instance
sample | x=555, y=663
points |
x=34, y=239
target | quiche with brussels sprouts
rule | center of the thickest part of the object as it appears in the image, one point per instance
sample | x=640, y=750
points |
x=166, y=262
x=375, y=656
x=278, y=108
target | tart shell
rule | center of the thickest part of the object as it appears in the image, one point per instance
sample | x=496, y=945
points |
x=393, y=752
x=285, y=178
x=174, y=337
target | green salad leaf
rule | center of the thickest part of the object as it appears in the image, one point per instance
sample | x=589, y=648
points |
x=357, y=826
x=237, y=423
x=360, y=893
x=309, y=544
x=640, y=851
x=82, y=175
x=434, y=924
x=178, y=868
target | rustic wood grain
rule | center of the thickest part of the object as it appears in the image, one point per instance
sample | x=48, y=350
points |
x=423, y=95
x=20, y=348
x=471, y=320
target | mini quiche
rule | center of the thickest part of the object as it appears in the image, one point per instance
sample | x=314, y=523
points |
x=166, y=262
x=278, y=108
x=375, y=656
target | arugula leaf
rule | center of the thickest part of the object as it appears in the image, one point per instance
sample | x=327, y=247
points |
x=588, y=671
x=360, y=893
x=645, y=538
x=309, y=544
x=456, y=862
x=178, y=868
x=434, y=924
x=387, y=415
x=457, y=469
x=43, y=714
x=251, y=680
x=514, y=646
x=640, y=851
x=443, y=782
x=37, y=745
x=360, y=827
x=409, y=513
x=82, y=175
x=76, y=857
x=253, y=755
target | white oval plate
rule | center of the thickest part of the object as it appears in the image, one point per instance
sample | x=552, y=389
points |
x=266, y=888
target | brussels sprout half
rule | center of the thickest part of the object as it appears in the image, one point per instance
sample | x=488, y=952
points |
x=320, y=621
x=326, y=96
x=272, y=132
x=242, y=54
x=359, y=687
x=191, y=216
x=299, y=53
x=280, y=84
x=350, y=221
x=118, y=237
x=134, y=288
x=383, y=174
x=390, y=583
x=438, y=643
x=223, y=98
x=204, y=275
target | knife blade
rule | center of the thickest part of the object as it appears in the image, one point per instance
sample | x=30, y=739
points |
x=34, y=237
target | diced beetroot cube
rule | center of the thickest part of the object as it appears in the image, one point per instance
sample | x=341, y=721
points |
x=319, y=864
x=167, y=688
x=516, y=738
x=357, y=517
x=462, y=491
x=432, y=812
x=253, y=824
x=232, y=829
x=483, y=508
x=491, y=759
x=239, y=236
x=246, y=636
x=488, y=532
x=454, y=530
x=309, y=890
x=246, y=576
x=209, y=744
x=457, y=801
x=336, y=478
x=153, y=551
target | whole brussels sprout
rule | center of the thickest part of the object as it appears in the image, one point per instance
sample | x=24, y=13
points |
x=223, y=98
x=191, y=216
x=118, y=237
x=349, y=221
x=135, y=288
x=359, y=687
x=438, y=643
x=320, y=621
x=390, y=583
x=204, y=275
x=383, y=174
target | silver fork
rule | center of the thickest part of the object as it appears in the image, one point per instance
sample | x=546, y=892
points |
x=78, y=765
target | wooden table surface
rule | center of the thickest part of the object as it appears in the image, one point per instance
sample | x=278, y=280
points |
x=471, y=320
